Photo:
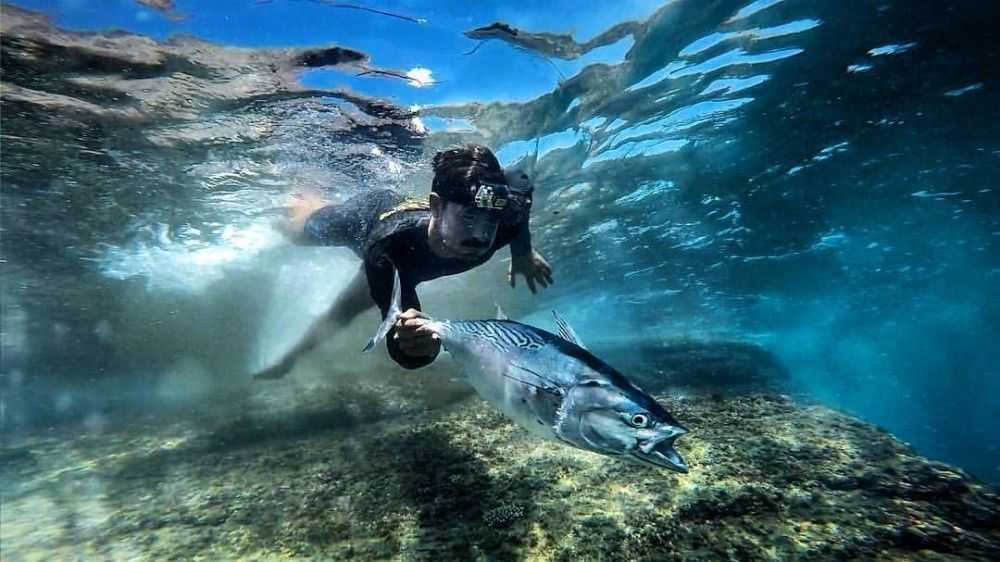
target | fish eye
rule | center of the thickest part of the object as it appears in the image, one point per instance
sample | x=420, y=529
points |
x=640, y=420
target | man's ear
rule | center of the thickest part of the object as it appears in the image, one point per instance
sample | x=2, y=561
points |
x=437, y=204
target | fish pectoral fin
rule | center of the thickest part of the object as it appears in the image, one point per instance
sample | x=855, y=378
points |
x=531, y=378
x=566, y=331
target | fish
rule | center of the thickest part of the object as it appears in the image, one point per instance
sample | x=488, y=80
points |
x=552, y=386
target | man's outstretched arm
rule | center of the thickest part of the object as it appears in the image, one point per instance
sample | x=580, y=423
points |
x=524, y=260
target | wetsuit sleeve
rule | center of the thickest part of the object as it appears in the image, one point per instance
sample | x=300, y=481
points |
x=520, y=245
x=521, y=192
x=325, y=227
x=380, y=278
x=349, y=223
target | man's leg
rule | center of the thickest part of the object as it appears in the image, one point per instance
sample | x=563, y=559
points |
x=351, y=302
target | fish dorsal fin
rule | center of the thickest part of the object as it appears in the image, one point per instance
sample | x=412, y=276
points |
x=390, y=315
x=501, y=315
x=566, y=331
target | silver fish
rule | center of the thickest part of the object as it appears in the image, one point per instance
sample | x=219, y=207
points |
x=552, y=386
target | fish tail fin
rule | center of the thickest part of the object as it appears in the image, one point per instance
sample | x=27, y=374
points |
x=395, y=309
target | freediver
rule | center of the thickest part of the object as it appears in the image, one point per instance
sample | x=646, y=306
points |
x=473, y=210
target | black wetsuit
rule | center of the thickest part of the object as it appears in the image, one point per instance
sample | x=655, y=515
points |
x=385, y=229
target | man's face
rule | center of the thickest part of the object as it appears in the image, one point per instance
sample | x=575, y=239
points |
x=464, y=231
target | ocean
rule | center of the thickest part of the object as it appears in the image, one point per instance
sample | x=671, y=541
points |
x=780, y=218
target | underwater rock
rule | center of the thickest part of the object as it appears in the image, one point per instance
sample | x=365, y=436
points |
x=395, y=468
x=716, y=367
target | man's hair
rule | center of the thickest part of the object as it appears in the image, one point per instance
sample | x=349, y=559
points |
x=457, y=171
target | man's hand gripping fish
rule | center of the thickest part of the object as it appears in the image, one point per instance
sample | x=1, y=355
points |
x=552, y=386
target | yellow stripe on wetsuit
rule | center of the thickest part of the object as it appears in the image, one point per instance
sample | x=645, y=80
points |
x=408, y=204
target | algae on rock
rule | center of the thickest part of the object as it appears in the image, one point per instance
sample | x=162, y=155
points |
x=414, y=468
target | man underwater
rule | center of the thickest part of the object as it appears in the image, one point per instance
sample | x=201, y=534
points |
x=473, y=210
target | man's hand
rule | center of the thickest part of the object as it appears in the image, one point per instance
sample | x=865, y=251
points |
x=415, y=338
x=534, y=268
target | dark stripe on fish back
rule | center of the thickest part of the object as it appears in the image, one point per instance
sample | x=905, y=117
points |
x=501, y=334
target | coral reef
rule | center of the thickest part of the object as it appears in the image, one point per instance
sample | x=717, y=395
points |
x=411, y=467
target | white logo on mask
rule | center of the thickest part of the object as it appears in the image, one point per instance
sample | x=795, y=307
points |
x=486, y=198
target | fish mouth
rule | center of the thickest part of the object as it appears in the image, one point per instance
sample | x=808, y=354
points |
x=660, y=452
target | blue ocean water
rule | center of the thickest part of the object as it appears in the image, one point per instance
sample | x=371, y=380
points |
x=815, y=179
